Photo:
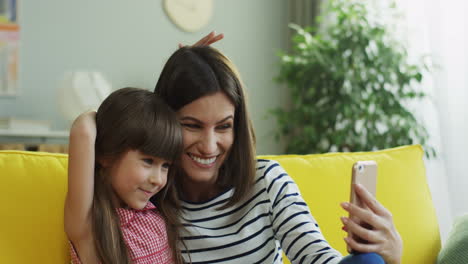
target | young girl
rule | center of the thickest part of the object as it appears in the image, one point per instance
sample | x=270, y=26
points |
x=133, y=139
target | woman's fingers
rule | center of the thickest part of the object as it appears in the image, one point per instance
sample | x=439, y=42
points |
x=382, y=236
x=364, y=215
x=356, y=229
x=367, y=198
x=360, y=247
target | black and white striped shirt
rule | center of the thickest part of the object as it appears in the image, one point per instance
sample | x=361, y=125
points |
x=271, y=219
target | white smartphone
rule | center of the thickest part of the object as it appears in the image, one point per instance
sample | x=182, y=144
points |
x=364, y=173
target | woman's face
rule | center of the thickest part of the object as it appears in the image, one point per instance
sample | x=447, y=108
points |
x=208, y=133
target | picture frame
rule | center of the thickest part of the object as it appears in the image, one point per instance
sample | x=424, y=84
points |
x=9, y=40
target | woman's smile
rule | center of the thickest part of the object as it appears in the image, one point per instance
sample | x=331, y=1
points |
x=203, y=162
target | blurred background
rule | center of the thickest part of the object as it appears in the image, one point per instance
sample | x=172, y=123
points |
x=91, y=47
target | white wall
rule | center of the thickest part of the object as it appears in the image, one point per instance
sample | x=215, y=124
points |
x=129, y=41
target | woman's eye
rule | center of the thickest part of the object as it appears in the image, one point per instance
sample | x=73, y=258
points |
x=166, y=165
x=191, y=125
x=148, y=161
x=225, y=126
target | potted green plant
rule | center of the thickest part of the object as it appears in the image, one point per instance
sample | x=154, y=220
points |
x=349, y=83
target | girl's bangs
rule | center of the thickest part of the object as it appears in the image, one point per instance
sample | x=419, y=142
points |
x=161, y=138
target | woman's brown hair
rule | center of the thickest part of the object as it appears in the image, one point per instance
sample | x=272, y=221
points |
x=129, y=119
x=195, y=72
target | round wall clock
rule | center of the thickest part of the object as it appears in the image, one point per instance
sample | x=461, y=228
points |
x=189, y=15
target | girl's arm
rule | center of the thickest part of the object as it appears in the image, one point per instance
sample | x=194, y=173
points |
x=79, y=200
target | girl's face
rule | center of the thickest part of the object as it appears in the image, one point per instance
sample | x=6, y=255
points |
x=208, y=133
x=136, y=177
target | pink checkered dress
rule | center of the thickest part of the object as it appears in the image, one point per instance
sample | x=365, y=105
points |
x=144, y=232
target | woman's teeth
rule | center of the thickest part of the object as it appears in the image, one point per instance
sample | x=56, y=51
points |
x=203, y=161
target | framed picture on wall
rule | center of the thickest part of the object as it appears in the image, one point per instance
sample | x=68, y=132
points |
x=9, y=37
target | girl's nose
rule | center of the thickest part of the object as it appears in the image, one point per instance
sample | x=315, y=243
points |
x=158, y=178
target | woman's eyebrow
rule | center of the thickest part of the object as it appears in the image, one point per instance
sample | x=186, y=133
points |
x=190, y=118
x=225, y=119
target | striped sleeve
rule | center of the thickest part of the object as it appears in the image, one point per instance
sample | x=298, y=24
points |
x=293, y=224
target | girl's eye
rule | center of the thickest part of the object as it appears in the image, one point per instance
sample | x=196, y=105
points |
x=166, y=165
x=148, y=161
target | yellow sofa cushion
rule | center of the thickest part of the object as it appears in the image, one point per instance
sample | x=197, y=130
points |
x=33, y=188
x=324, y=181
x=32, y=194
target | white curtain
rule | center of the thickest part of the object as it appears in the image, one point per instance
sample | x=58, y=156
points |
x=439, y=28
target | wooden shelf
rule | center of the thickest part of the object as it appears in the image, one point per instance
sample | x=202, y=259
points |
x=48, y=141
x=63, y=134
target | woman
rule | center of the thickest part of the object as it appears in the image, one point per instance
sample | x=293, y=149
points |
x=233, y=208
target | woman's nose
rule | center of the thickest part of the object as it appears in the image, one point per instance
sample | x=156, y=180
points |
x=208, y=143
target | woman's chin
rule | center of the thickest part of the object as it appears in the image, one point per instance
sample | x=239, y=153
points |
x=199, y=172
x=202, y=177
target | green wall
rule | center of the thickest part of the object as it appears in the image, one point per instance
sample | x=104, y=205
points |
x=129, y=41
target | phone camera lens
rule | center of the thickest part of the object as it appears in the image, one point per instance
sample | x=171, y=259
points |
x=360, y=168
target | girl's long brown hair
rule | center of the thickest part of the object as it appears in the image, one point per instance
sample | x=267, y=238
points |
x=129, y=119
x=194, y=72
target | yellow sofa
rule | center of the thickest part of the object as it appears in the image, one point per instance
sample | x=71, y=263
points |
x=33, y=188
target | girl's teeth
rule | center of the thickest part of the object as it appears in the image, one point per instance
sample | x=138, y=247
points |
x=203, y=161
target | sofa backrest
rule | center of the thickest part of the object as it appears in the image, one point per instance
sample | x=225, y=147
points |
x=33, y=188
x=324, y=181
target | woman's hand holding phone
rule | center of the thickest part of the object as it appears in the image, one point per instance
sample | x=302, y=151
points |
x=365, y=174
x=382, y=237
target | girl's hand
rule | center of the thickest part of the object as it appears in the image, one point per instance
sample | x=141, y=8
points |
x=383, y=238
x=85, y=125
x=207, y=40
